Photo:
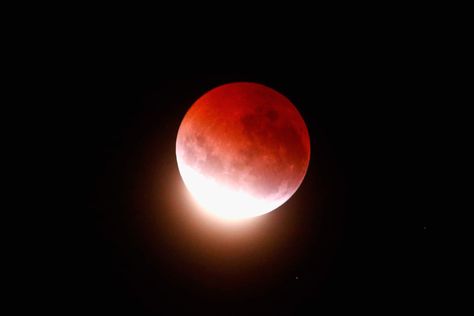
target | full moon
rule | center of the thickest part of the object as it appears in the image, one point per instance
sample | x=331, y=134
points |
x=242, y=150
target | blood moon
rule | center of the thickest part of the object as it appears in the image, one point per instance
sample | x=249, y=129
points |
x=242, y=150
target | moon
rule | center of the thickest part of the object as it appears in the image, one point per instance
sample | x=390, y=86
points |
x=242, y=150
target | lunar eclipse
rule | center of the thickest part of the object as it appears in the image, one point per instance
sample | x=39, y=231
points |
x=242, y=150
x=248, y=186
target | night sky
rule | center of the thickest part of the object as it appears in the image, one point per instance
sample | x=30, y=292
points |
x=341, y=242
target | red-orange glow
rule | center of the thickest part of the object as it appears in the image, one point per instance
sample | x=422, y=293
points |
x=242, y=150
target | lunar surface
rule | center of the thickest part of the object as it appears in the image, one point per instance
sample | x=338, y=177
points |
x=243, y=150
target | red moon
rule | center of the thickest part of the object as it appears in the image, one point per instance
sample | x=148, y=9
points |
x=243, y=150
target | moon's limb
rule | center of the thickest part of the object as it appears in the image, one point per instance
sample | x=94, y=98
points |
x=247, y=138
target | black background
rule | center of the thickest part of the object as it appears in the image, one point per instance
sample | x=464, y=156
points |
x=133, y=242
